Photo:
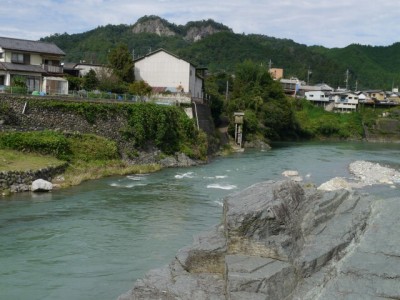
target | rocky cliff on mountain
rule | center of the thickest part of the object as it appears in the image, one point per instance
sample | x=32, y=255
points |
x=196, y=33
x=192, y=31
x=286, y=240
x=153, y=25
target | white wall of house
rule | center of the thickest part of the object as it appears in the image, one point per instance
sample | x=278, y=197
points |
x=198, y=92
x=319, y=96
x=162, y=69
x=346, y=101
x=36, y=59
x=85, y=68
x=7, y=56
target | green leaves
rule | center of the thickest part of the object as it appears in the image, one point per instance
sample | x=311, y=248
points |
x=44, y=142
x=268, y=112
x=121, y=62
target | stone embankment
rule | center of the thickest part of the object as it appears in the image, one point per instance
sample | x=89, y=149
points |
x=20, y=181
x=288, y=240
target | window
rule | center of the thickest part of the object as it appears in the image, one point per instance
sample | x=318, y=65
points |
x=17, y=58
x=20, y=58
x=1, y=55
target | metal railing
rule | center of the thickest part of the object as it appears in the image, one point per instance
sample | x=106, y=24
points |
x=52, y=69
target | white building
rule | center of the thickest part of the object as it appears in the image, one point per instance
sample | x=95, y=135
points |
x=38, y=63
x=345, y=101
x=318, y=97
x=163, y=69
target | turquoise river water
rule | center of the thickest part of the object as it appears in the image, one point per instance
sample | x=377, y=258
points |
x=94, y=240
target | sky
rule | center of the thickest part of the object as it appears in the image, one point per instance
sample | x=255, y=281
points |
x=333, y=23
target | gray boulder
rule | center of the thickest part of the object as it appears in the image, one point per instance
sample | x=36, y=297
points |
x=41, y=185
x=283, y=240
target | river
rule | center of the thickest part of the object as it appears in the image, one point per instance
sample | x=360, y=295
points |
x=94, y=240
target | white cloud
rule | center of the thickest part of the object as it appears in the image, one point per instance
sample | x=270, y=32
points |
x=328, y=23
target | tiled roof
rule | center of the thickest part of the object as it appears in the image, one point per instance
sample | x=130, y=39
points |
x=30, y=46
x=162, y=50
x=20, y=67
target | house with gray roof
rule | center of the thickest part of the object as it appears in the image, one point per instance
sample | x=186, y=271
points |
x=39, y=63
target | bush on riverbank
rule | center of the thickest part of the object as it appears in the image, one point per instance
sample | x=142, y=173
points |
x=315, y=122
x=44, y=142
x=70, y=147
x=166, y=127
x=89, y=156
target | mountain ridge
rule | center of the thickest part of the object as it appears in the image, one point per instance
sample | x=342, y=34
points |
x=213, y=45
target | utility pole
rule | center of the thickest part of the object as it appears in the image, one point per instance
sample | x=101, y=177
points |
x=309, y=72
x=227, y=91
x=133, y=54
x=270, y=64
x=347, y=80
x=356, y=85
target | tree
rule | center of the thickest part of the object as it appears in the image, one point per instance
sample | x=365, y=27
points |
x=121, y=63
x=90, y=81
x=215, y=96
x=109, y=82
x=139, y=88
x=74, y=83
x=268, y=112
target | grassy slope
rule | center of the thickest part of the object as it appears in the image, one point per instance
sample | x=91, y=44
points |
x=11, y=160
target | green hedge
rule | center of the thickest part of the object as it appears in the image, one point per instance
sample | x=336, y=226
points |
x=44, y=142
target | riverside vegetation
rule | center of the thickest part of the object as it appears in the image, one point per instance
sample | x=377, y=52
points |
x=91, y=156
x=269, y=116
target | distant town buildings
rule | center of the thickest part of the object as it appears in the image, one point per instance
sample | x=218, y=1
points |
x=41, y=65
x=341, y=100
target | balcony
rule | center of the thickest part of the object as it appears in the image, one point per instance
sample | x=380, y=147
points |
x=53, y=69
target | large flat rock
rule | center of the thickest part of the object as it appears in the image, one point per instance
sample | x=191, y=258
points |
x=371, y=268
x=283, y=240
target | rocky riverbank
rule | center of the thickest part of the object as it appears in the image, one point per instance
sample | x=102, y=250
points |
x=288, y=240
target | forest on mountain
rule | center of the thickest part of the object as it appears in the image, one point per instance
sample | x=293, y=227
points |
x=370, y=67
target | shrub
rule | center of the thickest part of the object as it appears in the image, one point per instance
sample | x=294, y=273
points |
x=44, y=142
x=88, y=147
